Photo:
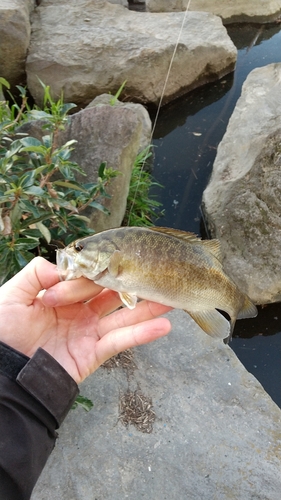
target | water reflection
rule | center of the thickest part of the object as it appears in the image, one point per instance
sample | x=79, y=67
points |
x=186, y=139
x=250, y=35
x=176, y=114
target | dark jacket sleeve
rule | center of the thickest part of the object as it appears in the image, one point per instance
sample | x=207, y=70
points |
x=35, y=396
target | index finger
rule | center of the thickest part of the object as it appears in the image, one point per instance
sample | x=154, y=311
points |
x=70, y=292
x=144, y=310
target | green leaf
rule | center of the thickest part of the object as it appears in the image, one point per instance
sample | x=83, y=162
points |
x=69, y=143
x=114, y=99
x=81, y=217
x=23, y=257
x=63, y=155
x=47, y=140
x=14, y=148
x=35, y=149
x=33, y=233
x=100, y=207
x=102, y=168
x=61, y=203
x=44, y=231
x=67, y=107
x=4, y=82
x=86, y=403
x=30, y=141
x=25, y=244
x=40, y=169
x=30, y=221
x=70, y=185
x=27, y=179
x=4, y=199
x=15, y=215
x=22, y=90
x=4, y=246
x=38, y=115
x=34, y=191
x=29, y=207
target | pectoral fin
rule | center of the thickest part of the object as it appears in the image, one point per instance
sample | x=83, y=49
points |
x=114, y=266
x=129, y=300
x=212, y=322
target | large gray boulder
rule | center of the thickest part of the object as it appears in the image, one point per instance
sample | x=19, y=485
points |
x=14, y=39
x=100, y=45
x=114, y=134
x=250, y=11
x=217, y=434
x=242, y=201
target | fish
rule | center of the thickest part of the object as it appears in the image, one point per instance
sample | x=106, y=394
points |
x=169, y=266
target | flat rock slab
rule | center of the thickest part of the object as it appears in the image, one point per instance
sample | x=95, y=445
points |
x=217, y=434
x=100, y=45
x=250, y=11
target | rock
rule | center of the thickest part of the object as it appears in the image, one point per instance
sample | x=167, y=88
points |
x=217, y=434
x=120, y=2
x=100, y=45
x=105, y=133
x=242, y=201
x=168, y=5
x=15, y=36
x=231, y=12
x=138, y=109
x=114, y=134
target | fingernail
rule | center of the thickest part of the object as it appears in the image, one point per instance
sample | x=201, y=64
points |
x=50, y=298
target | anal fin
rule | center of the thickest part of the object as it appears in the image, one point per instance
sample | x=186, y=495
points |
x=212, y=322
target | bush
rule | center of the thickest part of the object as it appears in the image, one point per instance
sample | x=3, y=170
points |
x=41, y=202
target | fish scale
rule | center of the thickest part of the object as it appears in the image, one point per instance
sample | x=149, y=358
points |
x=172, y=267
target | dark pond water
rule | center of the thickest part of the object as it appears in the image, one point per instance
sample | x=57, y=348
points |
x=186, y=137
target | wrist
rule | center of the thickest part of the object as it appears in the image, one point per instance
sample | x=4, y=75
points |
x=42, y=377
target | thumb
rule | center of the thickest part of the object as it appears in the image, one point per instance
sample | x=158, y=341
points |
x=37, y=275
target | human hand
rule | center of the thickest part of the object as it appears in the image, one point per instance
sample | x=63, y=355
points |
x=79, y=335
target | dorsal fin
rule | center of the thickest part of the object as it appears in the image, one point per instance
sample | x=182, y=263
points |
x=177, y=233
x=214, y=247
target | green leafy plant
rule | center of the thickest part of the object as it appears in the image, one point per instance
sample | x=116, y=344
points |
x=41, y=201
x=142, y=209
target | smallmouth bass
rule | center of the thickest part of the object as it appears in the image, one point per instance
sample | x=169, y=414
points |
x=172, y=267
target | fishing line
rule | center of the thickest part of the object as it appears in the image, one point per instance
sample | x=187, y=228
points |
x=160, y=104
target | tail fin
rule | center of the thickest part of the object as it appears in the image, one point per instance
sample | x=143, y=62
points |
x=248, y=310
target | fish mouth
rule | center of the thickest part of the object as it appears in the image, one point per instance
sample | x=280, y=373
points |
x=67, y=269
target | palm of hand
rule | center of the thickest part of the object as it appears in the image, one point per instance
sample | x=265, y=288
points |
x=69, y=333
x=79, y=335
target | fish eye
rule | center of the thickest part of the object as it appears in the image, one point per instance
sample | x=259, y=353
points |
x=78, y=247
